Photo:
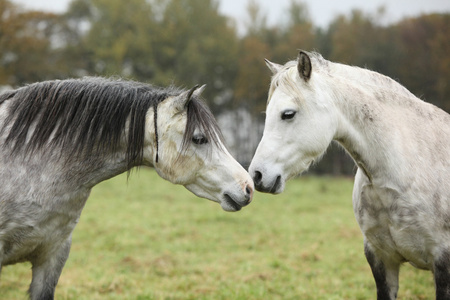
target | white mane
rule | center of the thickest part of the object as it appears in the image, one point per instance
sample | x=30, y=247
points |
x=288, y=78
x=368, y=78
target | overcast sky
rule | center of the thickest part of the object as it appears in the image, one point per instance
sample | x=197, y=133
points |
x=321, y=11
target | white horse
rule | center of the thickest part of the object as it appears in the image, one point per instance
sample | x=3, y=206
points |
x=401, y=145
x=58, y=139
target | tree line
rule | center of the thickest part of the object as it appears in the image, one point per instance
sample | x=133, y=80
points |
x=189, y=42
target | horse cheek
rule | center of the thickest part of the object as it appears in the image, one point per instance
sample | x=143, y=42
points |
x=176, y=167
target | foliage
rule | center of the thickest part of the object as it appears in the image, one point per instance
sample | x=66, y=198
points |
x=189, y=42
x=202, y=47
x=26, y=44
x=158, y=41
x=425, y=47
x=119, y=38
x=149, y=239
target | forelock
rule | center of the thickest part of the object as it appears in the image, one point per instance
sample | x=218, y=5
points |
x=200, y=117
x=285, y=79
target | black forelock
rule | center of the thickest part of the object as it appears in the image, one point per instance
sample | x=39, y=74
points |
x=199, y=116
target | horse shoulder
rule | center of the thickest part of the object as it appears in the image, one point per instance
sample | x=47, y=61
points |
x=401, y=222
x=371, y=207
x=36, y=217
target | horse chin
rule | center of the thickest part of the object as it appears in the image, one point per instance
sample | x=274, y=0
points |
x=229, y=204
x=226, y=201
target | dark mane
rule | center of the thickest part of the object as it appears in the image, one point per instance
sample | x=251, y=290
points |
x=91, y=114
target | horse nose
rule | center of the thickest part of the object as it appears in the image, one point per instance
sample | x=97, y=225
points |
x=269, y=187
x=257, y=179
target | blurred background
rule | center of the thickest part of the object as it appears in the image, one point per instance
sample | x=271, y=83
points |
x=223, y=44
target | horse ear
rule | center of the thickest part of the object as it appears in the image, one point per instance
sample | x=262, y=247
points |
x=274, y=68
x=182, y=100
x=304, y=66
x=199, y=90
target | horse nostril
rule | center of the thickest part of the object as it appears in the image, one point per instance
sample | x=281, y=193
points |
x=258, y=177
x=248, y=190
x=248, y=193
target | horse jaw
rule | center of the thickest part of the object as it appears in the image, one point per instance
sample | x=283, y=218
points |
x=232, y=189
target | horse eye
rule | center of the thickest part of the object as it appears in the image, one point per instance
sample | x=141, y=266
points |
x=288, y=114
x=199, y=139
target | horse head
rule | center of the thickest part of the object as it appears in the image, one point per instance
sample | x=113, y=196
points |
x=299, y=125
x=189, y=151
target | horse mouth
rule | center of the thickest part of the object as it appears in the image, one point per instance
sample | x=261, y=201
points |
x=231, y=203
x=276, y=185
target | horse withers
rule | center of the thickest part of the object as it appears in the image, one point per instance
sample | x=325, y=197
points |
x=400, y=144
x=58, y=139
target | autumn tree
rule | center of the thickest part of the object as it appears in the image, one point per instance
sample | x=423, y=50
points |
x=424, y=64
x=114, y=37
x=277, y=43
x=182, y=42
x=188, y=42
x=252, y=80
x=358, y=39
x=26, y=39
x=198, y=46
x=297, y=33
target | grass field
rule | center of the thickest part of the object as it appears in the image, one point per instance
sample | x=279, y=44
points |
x=149, y=239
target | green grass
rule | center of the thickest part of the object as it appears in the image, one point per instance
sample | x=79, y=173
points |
x=149, y=239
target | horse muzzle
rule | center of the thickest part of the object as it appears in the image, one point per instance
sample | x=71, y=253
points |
x=231, y=202
x=274, y=186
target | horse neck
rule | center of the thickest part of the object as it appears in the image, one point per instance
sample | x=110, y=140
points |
x=105, y=165
x=96, y=168
x=88, y=169
x=72, y=172
x=370, y=110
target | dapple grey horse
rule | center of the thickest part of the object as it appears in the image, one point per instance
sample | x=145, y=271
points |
x=401, y=145
x=58, y=139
